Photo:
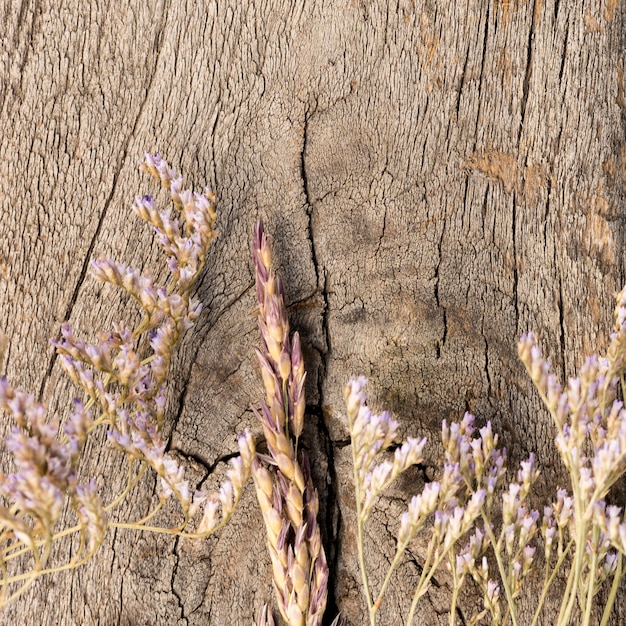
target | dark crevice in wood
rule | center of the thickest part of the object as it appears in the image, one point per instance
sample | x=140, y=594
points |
x=205, y=328
x=341, y=443
x=444, y=334
x=547, y=211
x=213, y=128
x=485, y=211
x=114, y=560
x=202, y=462
x=333, y=520
x=462, y=83
x=182, y=396
x=103, y=215
x=515, y=275
x=460, y=617
x=527, y=75
x=420, y=568
x=442, y=342
x=563, y=56
x=382, y=234
x=200, y=332
x=71, y=598
x=179, y=599
x=332, y=523
x=81, y=278
x=480, y=79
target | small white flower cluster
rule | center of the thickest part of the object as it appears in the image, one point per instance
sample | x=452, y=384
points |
x=473, y=473
x=471, y=499
x=591, y=440
x=372, y=434
x=230, y=490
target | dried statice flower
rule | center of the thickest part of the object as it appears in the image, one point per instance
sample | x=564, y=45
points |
x=123, y=374
x=473, y=473
x=138, y=436
x=91, y=514
x=286, y=495
x=590, y=437
x=45, y=474
x=492, y=598
x=230, y=491
x=372, y=434
x=46, y=465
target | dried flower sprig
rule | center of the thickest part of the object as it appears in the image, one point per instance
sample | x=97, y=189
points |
x=473, y=472
x=123, y=376
x=591, y=440
x=472, y=499
x=124, y=373
x=286, y=495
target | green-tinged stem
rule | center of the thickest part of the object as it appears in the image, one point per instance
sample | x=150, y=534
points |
x=131, y=482
x=591, y=584
x=360, y=540
x=203, y=535
x=548, y=580
x=41, y=572
x=5, y=587
x=428, y=572
x=569, y=597
x=31, y=578
x=394, y=564
x=456, y=587
x=177, y=530
x=419, y=592
x=617, y=579
x=141, y=523
x=63, y=533
x=92, y=400
x=568, y=592
x=501, y=569
x=153, y=529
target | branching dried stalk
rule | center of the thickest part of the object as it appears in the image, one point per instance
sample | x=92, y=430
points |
x=578, y=529
x=123, y=379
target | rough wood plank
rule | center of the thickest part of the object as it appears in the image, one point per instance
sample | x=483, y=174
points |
x=437, y=178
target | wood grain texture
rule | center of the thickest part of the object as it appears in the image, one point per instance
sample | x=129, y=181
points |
x=436, y=177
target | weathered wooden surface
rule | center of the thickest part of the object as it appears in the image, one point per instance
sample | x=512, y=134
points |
x=437, y=178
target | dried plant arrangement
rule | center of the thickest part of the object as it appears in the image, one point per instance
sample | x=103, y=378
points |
x=477, y=515
x=481, y=526
x=122, y=378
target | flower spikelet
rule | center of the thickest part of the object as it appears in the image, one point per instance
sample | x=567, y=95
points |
x=287, y=497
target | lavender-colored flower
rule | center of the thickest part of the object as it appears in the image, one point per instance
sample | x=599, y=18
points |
x=92, y=514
